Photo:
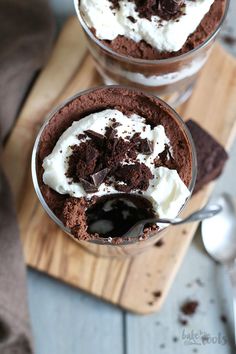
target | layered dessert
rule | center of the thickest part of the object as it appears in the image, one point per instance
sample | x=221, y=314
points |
x=156, y=45
x=111, y=157
x=152, y=29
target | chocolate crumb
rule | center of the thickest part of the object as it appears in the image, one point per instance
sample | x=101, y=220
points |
x=157, y=294
x=81, y=136
x=229, y=40
x=189, y=307
x=200, y=282
x=175, y=339
x=223, y=318
x=183, y=322
x=135, y=176
x=159, y=243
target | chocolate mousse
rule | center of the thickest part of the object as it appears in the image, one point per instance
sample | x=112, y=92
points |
x=133, y=38
x=110, y=157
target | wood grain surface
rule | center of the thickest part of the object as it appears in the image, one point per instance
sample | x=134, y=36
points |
x=46, y=248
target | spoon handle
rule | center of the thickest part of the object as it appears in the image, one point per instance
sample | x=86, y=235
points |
x=232, y=273
x=206, y=212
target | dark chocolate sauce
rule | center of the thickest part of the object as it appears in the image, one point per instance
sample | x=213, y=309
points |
x=114, y=215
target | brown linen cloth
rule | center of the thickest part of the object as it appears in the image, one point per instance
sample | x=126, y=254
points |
x=26, y=34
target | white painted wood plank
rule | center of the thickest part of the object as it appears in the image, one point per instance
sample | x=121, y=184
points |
x=149, y=334
x=67, y=321
x=155, y=334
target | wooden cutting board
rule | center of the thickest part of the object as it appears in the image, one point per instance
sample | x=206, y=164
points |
x=138, y=284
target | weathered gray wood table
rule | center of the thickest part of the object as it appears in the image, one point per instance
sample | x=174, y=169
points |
x=67, y=321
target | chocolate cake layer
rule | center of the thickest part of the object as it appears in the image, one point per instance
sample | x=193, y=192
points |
x=72, y=210
x=211, y=155
x=143, y=50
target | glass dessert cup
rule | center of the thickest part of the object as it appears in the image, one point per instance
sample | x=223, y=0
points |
x=171, y=79
x=103, y=246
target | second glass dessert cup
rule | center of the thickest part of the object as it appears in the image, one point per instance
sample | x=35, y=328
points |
x=171, y=79
x=103, y=247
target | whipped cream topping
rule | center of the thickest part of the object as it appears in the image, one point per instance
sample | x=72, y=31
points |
x=160, y=80
x=166, y=190
x=170, y=36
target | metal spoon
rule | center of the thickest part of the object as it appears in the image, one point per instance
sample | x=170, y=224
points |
x=207, y=212
x=219, y=238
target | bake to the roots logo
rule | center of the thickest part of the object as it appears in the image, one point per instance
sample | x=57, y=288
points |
x=203, y=338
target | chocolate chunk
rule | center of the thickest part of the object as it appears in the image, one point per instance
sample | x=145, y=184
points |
x=110, y=132
x=146, y=147
x=171, y=7
x=131, y=19
x=88, y=187
x=117, y=150
x=165, y=159
x=211, y=156
x=100, y=176
x=96, y=137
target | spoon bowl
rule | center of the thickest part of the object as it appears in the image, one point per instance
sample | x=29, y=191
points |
x=219, y=232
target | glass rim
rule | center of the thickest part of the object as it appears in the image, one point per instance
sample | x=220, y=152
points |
x=147, y=61
x=50, y=115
